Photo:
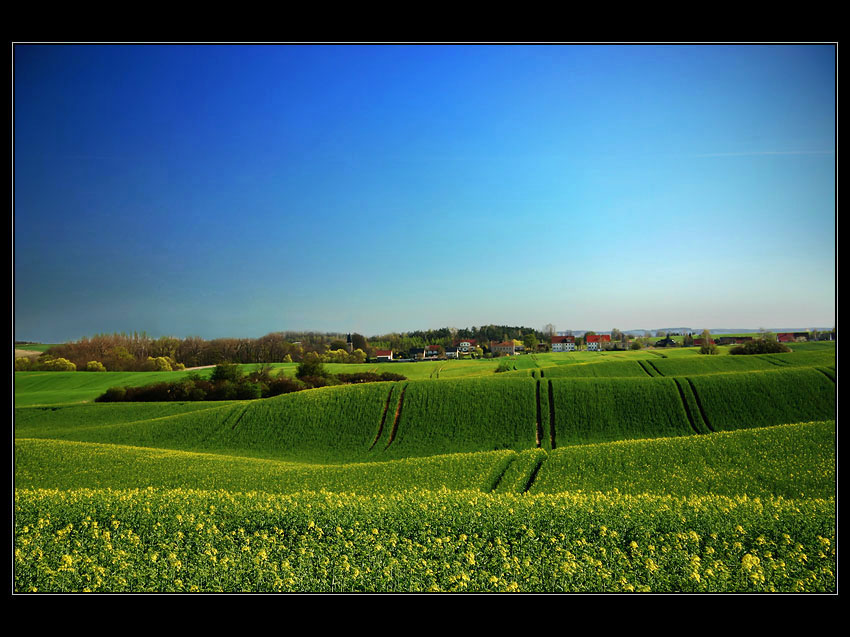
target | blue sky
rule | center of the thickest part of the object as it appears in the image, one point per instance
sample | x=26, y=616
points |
x=239, y=190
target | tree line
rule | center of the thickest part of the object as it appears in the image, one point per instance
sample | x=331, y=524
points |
x=134, y=352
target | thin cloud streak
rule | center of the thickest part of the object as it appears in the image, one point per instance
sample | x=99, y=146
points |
x=767, y=152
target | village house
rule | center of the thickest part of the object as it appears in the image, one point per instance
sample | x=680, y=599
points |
x=506, y=348
x=465, y=345
x=452, y=352
x=792, y=337
x=595, y=341
x=563, y=343
x=666, y=342
x=427, y=353
x=383, y=354
x=732, y=340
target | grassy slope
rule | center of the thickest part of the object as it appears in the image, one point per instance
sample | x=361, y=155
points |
x=791, y=461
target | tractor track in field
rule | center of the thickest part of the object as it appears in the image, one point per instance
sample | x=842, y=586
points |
x=643, y=367
x=825, y=373
x=539, y=423
x=502, y=473
x=551, y=414
x=383, y=419
x=699, y=404
x=533, y=475
x=394, y=430
x=239, y=417
x=652, y=365
x=685, y=404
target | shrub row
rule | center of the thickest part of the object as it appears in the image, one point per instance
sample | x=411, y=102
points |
x=228, y=382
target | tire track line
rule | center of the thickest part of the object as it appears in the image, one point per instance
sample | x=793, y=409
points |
x=397, y=417
x=643, y=367
x=552, y=437
x=699, y=404
x=539, y=431
x=685, y=404
x=383, y=418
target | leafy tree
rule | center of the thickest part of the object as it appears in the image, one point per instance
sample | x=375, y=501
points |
x=530, y=341
x=227, y=372
x=708, y=346
x=311, y=367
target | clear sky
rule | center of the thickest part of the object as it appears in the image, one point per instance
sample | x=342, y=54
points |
x=240, y=190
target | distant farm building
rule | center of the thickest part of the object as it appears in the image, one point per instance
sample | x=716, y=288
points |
x=792, y=337
x=732, y=340
x=384, y=354
x=452, y=352
x=563, y=343
x=506, y=348
x=465, y=345
x=595, y=341
x=666, y=342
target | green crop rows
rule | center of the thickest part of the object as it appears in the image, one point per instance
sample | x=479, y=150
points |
x=612, y=471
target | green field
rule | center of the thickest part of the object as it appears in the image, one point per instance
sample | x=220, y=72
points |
x=612, y=471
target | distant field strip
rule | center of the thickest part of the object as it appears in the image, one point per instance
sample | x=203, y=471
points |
x=791, y=461
x=55, y=464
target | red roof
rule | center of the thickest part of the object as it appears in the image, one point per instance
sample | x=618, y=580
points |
x=785, y=337
x=383, y=352
x=598, y=338
x=433, y=348
x=471, y=341
x=563, y=339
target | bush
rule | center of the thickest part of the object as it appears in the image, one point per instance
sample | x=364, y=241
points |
x=283, y=385
x=761, y=346
x=311, y=367
x=227, y=372
x=505, y=365
x=636, y=345
x=112, y=395
x=50, y=364
x=158, y=364
x=95, y=366
x=23, y=364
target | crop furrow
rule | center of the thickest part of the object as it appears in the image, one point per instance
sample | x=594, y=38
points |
x=699, y=404
x=239, y=417
x=685, y=404
x=643, y=367
x=503, y=471
x=397, y=417
x=652, y=365
x=551, y=415
x=383, y=418
x=533, y=475
x=539, y=433
x=829, y=373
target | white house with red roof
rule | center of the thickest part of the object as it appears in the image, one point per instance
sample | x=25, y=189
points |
x=595, y=341
x=384, y=354
x=465, y=345
x=563, y=343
